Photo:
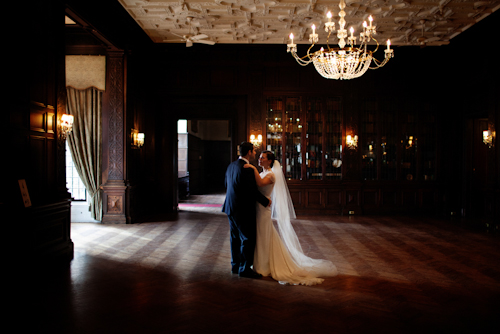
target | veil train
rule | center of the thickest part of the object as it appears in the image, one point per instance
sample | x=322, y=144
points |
x=282, y=211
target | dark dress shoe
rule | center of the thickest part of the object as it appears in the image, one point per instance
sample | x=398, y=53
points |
x=250, y=274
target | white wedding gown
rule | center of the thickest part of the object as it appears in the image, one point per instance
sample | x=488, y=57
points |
x=283, y=259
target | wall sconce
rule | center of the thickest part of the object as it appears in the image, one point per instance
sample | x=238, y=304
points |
x=140, y=139
x=351, y=142
x=137, y=138
x=409, y=142
x=66, y=125
x=488, y=138
x=256, y=141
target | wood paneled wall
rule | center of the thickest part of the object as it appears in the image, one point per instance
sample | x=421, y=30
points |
x=168, y=82
x=34, y=148
x=189, y=80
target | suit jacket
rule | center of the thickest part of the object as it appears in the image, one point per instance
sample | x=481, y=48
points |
x=241, y=191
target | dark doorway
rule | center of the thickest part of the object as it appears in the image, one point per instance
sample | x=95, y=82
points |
x=207, y=152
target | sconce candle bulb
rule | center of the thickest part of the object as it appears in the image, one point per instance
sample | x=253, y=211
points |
x=256, y=140
x=66, y=125
x=351, y=142
x=488, y=138
x=137, y=138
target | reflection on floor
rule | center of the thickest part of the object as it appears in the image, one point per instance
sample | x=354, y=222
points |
x=80, y=213
x=397, y=275
x=209, y=203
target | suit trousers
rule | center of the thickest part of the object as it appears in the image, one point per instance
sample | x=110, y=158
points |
x=243, y=234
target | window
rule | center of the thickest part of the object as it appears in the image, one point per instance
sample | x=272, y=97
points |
x=182, y=148
x=73, y=181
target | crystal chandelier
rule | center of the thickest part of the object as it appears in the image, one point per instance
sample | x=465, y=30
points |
x=342, y=63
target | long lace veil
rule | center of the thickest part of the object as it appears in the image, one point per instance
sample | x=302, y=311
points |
x=282, y=211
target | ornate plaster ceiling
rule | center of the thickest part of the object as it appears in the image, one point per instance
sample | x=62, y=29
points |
x=404, y=22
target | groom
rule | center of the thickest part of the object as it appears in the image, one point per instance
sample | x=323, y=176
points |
x=241, y=198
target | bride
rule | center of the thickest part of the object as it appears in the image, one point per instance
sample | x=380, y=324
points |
x=280, y=255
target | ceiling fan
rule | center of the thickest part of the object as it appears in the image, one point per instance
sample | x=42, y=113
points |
x=190, y=39
x=424, y=40
x=193, y=39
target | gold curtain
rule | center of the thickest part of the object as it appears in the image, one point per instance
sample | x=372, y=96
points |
x=85, y=142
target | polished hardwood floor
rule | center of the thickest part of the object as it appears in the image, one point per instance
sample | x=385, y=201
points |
x=396, y=275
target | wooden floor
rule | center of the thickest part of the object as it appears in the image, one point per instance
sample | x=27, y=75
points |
x=397, y=275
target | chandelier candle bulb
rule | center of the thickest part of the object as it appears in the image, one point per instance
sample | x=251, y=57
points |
x=388, y=44
x=329, y=26
x=313, y=38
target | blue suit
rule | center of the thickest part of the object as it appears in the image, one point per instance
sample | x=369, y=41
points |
x=242, y=196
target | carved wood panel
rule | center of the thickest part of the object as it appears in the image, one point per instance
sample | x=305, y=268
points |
x=370, y=197
x=389, y=197
x=333, y=198
x=409, y=198
x=115, y=204
x=115, y=92
x=314, y=198
x=352, y=197
x=427, y=198
x=297, y=198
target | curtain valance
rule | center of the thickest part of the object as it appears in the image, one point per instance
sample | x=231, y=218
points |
x=83, y=72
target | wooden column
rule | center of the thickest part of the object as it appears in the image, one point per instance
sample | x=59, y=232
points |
x=114, y=151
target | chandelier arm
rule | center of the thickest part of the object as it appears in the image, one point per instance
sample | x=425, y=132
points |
x=327, y=39
x=301, y=60
x=308, y=54
x=379, y=63
x=377, y=45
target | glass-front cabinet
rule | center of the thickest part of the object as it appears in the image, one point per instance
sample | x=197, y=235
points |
x=306, y=133
x=306, y=136
x=293, y=138
x=368, y=140
x=389, y=144
x=428, y=148
x=314, y=139
x=409, y=146
x=333, y=139
x=274, y=135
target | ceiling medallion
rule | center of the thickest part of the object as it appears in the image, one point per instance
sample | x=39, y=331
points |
x=342, y=63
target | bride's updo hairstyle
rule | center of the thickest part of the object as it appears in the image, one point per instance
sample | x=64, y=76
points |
x=270, y=156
